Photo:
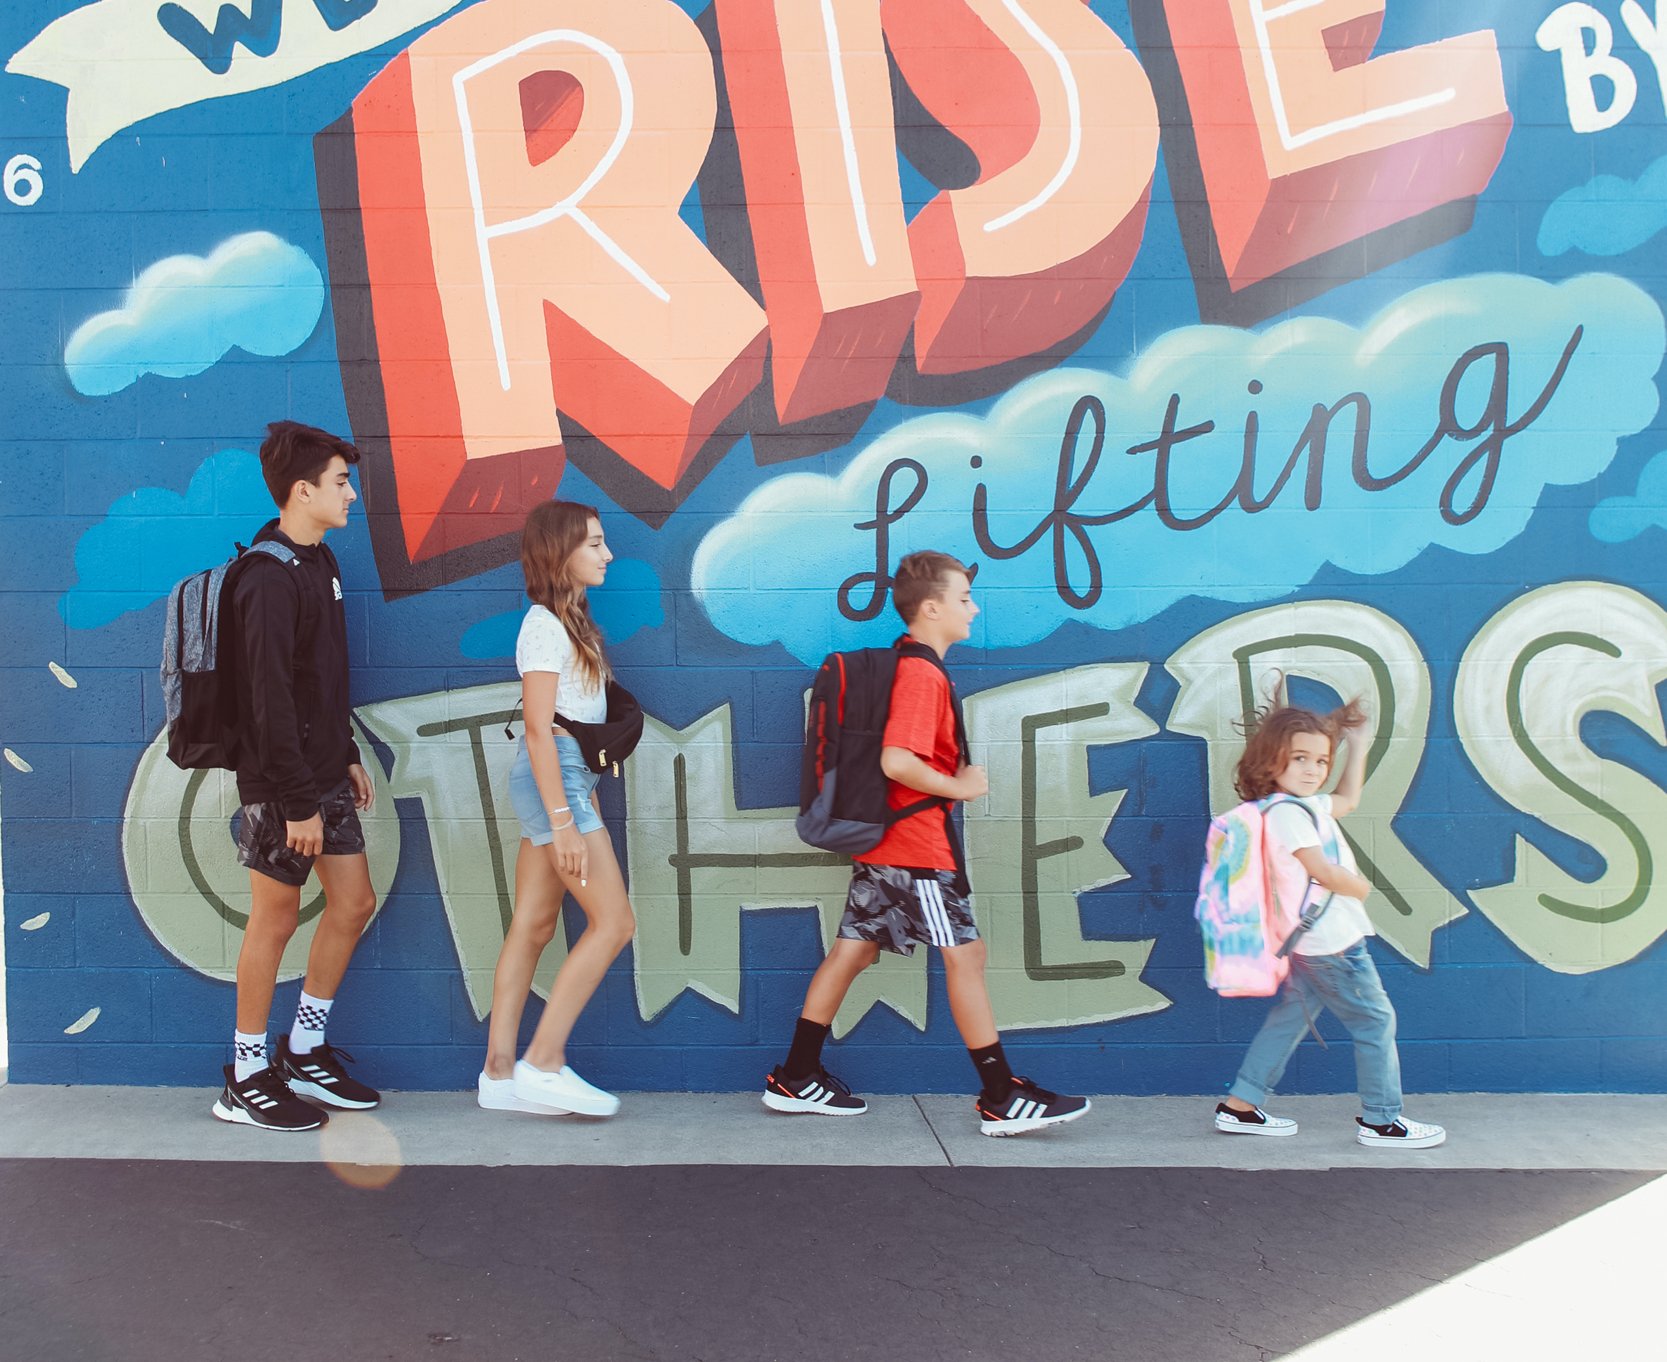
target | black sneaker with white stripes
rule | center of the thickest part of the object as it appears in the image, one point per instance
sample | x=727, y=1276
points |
x=819, y=1093
x=1027, y=1107
x=263, y=1100
x=320, y=1075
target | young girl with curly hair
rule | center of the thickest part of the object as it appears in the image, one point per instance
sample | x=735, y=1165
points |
x=1287, y=760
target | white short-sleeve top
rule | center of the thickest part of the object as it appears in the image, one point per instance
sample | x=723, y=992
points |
x=1345, y=921
x=543, y=646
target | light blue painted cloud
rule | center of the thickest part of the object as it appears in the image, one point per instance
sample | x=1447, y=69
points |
x=1607, y=215
x=254, y=291
x=152, y=537
x=772, y=571
x=630, y=601
x=1615, y=520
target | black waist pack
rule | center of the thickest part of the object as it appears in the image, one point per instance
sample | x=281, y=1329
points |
x=609, y=742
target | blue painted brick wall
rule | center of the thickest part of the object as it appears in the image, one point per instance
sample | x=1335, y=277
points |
x=1515, y=652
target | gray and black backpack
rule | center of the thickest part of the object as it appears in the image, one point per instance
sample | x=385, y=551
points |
x=843, y=793
x=198, y=685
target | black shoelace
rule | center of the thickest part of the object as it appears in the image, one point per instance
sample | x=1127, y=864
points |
x=1035, y=1092
x=827, y=1080
x=327, y=1054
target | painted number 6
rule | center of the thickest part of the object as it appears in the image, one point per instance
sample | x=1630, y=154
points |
x=22, y=179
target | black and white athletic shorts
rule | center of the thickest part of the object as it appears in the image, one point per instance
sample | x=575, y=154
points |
x=263, y=838
x=898, y=908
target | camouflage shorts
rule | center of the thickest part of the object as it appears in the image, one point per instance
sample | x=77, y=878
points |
x=263, y=837
x=898, y=908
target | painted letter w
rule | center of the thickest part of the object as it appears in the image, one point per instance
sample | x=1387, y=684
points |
x=258, y=31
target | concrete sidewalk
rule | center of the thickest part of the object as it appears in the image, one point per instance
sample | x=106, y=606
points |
x=1485, y=1131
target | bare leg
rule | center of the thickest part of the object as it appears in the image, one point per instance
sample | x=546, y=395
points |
x=349, y=902
x=969, y=996
x=834, y=977
x=274, y=912
x=609, y=926
x=537, y=917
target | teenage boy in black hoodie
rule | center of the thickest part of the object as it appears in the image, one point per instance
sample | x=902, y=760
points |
x=301, y=783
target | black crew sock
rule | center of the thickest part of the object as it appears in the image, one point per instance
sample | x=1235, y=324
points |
x=805, y=1057
x=995, y=1078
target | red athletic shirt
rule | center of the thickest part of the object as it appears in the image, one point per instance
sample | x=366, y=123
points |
x=922, y=720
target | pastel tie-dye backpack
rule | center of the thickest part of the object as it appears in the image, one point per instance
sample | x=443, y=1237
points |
x=1247, y=934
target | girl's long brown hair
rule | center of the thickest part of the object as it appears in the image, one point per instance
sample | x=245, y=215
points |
x=1268, y=733
x=554, y=529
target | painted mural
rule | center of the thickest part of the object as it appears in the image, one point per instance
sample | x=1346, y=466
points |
x=1227, y=339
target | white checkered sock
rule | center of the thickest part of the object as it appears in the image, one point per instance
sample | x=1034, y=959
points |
x=248, y=1054
x=311, y=1014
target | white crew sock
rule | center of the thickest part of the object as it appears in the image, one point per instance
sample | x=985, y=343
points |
x=248, y=1054
x=311, y=1015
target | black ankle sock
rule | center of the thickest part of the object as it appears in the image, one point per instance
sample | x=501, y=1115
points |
x=994, y=1077
x=805, y=1057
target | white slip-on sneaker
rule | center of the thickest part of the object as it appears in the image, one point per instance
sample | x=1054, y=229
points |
x=1253, y=1122
x=1399, y=1134
x=564, y=1089
x=498, y=1094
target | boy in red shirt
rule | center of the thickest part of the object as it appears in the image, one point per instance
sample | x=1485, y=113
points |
x=911, y=888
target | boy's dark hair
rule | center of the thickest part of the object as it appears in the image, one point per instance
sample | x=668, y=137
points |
x=920, y=577
x=292, y=452
x=1268, y=734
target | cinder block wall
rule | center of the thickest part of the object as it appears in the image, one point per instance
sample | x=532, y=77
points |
x=1217, y=362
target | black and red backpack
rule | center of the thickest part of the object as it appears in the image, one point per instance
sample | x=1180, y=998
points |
x=842, y=790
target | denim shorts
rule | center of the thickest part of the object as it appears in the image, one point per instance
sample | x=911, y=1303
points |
x=578, y=782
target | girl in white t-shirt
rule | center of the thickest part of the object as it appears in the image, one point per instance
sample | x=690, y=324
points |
x=564, y=847
x=1289, y=752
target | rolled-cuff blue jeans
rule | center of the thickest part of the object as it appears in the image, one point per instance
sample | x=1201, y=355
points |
x=1348, y=984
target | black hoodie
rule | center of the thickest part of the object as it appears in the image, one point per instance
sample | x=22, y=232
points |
x=292, y=700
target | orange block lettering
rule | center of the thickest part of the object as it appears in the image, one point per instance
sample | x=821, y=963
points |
x=515, y=180
x=811, y=92
x=1307, y=142
x=1061, y=119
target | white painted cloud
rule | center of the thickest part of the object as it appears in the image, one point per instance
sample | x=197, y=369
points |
x=255, y=291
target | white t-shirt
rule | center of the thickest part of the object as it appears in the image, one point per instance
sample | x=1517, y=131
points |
x=1290, y=829
x=543, y=646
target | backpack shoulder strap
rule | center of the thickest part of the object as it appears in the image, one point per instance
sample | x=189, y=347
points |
x=272, y=549
x=1327, y=843
x=1308, y=913
x=908, y=647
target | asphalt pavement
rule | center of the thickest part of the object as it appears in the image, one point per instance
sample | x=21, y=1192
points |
x=698, y=1226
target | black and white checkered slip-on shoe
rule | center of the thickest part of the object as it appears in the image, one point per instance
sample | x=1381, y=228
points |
x=321, y=1076
x=820, y=1094
x=1027, y=1107
x=263, y=1100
